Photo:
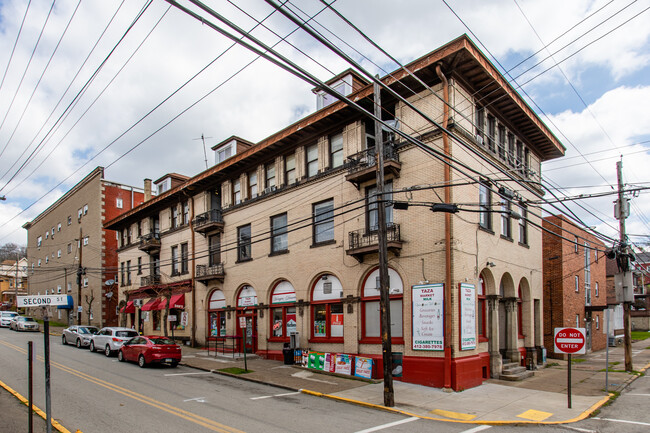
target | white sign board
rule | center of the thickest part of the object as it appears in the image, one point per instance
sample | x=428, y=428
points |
x=242, y=322
x=428, y=317
x=467, y=316
x=171, y=318
x=184, y=318
x=42, y=301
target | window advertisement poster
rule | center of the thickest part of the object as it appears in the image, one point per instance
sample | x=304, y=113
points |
x=467, y=316
x=428, y=317
x=363, y=367
x=343, y=364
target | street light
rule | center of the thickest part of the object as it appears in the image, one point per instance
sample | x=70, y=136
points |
x=3, y=198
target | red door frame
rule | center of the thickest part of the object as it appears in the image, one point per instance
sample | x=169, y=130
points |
x=251, y=344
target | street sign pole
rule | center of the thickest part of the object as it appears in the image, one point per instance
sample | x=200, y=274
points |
x=569, y=382
x=30, y=384
x=46, y=353
x=570, y=341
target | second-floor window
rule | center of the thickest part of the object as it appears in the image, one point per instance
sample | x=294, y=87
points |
x=279, y=235
x=139, y=265
x=323, y=214
x=485, y=201
x=372, y=205
x=186, y=213
x=214, y=245
x=175, y=221
x=269, y=172
x=312, y=160
x=244, y=243
x=523, y=225
x=118, y=203
x=175, y=260
x=236, y=191
x=336, y=150
x=128, y=272
x=184, y=259
x=506, y=226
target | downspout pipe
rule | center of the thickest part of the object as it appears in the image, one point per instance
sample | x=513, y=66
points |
x=193, y=273
x=448, y=229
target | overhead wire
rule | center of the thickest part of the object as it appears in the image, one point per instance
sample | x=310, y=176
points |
x=13, y=50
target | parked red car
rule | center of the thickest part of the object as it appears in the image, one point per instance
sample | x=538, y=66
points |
x=150, y=349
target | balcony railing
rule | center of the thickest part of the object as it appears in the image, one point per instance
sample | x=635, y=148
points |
x=209, y=272
x=150, y=243
x=149, y=280
x=361, y=166
x=208, y=221
x=362, y=242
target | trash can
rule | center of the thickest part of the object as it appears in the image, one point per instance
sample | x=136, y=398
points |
x=287, y=353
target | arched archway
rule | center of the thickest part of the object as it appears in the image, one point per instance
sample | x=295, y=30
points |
x=246, y=311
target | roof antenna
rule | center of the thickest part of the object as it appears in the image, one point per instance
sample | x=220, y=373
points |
x=205, y=154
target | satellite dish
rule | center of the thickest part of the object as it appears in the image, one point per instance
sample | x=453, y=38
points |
x=109, y=282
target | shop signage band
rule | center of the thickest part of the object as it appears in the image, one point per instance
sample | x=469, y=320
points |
x=570, y=340
x=42, y=300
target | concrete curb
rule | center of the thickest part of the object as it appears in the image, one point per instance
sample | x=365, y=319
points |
x=39, y=412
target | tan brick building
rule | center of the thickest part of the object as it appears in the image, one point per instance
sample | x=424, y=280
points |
x=575, y=282
x=281, y=234
x=70, y=234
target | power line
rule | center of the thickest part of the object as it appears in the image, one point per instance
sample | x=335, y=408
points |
x=20, y=30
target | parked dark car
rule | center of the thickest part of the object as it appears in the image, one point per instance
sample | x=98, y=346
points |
x=150, y=349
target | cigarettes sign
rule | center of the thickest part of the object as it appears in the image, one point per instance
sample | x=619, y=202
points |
x=42, y=301
x=570, y=340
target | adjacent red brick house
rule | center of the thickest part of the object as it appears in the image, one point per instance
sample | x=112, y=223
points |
x=574, y=268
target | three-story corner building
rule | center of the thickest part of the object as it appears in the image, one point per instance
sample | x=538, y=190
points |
x=281, y=235
x=68, y=238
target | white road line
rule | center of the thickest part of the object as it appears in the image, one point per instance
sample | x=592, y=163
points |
x=385, y=426
x=276, y=395
x=642, y=395
x=187, y=374
x=623, y=421
x=477, y=429
x=581, y=430
x=197, y=399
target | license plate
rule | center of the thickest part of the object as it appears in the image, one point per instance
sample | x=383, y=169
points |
x=168, y=360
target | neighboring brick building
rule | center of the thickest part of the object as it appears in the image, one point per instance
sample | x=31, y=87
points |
x=71, y=230
x=281, y=235
x=575, y=282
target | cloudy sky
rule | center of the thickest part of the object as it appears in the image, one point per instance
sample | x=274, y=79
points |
x=79, y=91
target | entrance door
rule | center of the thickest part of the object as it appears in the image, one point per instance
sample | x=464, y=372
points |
x=248, y=335
x=588, y=330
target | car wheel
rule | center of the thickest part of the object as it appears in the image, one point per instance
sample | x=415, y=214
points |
x=141, y=362
x=107, y=350
x=174, y=364
x=78, y=343
x=120, y=356
x=92, y=346
x=63, y=340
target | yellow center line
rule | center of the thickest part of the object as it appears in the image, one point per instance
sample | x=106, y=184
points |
x=189, y=416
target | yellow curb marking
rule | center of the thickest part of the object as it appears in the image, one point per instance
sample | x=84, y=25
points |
x=453, y=415
x=40, y=413
x=535, y=415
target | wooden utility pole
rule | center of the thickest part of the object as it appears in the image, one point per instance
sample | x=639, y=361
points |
x=384, y=300
x=79, y=276
x=16, y=281
x=624, y=249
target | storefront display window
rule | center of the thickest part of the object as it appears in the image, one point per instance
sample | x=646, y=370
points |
x=327, y=309
x=283, y=312
x=371, y=332
x=216, y=315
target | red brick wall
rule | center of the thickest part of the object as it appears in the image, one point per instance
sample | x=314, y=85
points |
x=109, y=244
x=561, y=265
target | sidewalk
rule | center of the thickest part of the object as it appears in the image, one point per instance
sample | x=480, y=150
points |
x=539, y=399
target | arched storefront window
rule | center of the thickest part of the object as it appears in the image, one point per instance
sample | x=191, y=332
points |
x=217, y=316
x=283, y=311
x=370, y=313
x=481, y=309
x=327, y=309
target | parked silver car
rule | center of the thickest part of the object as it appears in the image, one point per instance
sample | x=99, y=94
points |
x=24, y=323
x=5, y=318
x=79, y=335
x=110, y=339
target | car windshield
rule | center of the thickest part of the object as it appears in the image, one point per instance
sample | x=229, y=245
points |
x=26, y=319
x=162, y=340
x=126, y=334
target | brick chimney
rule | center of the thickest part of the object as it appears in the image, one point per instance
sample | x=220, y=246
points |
x=147, y=189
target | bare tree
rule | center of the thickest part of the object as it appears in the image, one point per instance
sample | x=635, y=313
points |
x=89, y=304
x=10, y=251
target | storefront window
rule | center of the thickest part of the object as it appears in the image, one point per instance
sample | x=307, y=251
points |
x=481, y=307
x=371, y=315
x=327, y=309
x=283, y=312
x=217, y=317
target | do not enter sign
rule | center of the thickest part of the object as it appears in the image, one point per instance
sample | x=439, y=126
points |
x=570, y=340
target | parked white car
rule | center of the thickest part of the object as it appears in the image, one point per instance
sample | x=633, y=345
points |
x=24, y=323
x=5, y=318
x=78, y=335
x=110, y=339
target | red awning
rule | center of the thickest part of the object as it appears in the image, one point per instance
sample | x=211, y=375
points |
x=130, y=308
x=162, y=303
x=151, y=305
x=177, y=301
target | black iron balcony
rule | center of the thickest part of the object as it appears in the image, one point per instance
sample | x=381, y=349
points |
x=362, y=242
x=361, y=166
x=150, y=243
x=209, y=272
x=208, y=221
x=149, y=280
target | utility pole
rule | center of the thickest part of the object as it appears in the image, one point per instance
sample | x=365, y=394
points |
x=384, y=301
x=16, y=281
x=625, y=261
x=80, y=272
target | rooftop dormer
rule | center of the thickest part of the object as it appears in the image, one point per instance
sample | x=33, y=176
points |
x=345, y=83
x=169, y=181
x=229, y=148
